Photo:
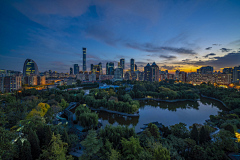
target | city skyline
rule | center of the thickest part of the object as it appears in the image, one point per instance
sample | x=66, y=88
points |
x=158, y=31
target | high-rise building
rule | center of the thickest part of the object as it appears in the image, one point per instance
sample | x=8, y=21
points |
x=76, y=69
x=84, y=59
x=10, y=83
x=151, y=73
x=118, y=73
x=71, y=70
x=236, y=73
x=205, y=70
x=122, y=63
x=182, y=76
x=135, y=67
x=119, y=66
x=96, y=68
x=30, y=67
x=110, y=68
x=132, y=65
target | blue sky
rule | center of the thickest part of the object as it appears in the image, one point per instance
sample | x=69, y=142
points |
x=176, y=34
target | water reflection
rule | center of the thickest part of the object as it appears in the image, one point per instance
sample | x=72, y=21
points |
x=188, y=112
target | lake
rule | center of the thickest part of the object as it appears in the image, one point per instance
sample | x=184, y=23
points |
x=166, y=113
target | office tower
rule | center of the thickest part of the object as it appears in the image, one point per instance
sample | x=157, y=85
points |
x=132, y=65
x=118, y=73
x=236, y=73
x=107, y=68
x=110, y=68
x=119, y=66
x=96, y=68
x=10, y=83
x=91, y=67
x=30, y=67
x=151, y=73
x=147, y=72
x=71, y=70
x=228, y=71
x=50, y=72
x=3, y=72
x=135, y=67
x=177, y=74
x=166, y=71
x=122, y=63
x=100, y=68
x=182, y=76
x=205, y=70
x=84, y=59
x=76, y=69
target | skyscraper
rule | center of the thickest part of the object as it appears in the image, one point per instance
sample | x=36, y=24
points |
x=84, y=59
x=236, y=73
x=151, y=73
x=96, y=68
x=110, y=68
x=30, y=67
x=135, y=67
x=71, y=70
x=76, y=69
x=122, y=63
x=132, y=65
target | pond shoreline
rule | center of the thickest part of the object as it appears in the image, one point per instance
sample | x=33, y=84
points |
x=216, y=100
x=116, y=112
x=162, y=100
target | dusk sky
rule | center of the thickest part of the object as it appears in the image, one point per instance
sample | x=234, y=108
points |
x=176, y=34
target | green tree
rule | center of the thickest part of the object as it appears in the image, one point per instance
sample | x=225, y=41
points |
x=229, y=128
x=180, y=130
x=154, y=130
x=56, y=150
x=63, y=104
x=131, y=148
x=91, y=144
x=194, y=133
x=66, y=138
x=34, y=141
x=26, y=153
x=202, y=136
x=161, y=153
x=115, y=155
x=48, y=134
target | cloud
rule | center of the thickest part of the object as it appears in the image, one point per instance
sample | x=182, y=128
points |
x=210, y=54
x=169, y=67
x=208, y=48
x=228, y=60
x=225, y=50
x=216, y=44
x=148, y=47
x=168, y=57
x=186, y=60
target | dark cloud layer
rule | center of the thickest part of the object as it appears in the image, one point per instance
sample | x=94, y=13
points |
x=208, y=48
x=168, y=57
x=228, y=60
x=225, y=49
x=211, y=54
x=148, y=47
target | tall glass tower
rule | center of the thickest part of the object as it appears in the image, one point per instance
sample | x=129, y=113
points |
x=30, y=67
x=132, y=65
x=84, y=59
x=122, y=63
x=76, y=69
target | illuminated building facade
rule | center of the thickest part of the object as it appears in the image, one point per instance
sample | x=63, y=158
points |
x=122, y=63
x=84, y=59
x=118, y=73
x=96, y=68
x=71, y=70
x=236, y=73
x=76, y=69
x=110, y=68
x=10, y=83
x=132, y=65
x=30, y=67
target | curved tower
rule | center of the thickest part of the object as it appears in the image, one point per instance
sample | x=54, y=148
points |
x=30, y=67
